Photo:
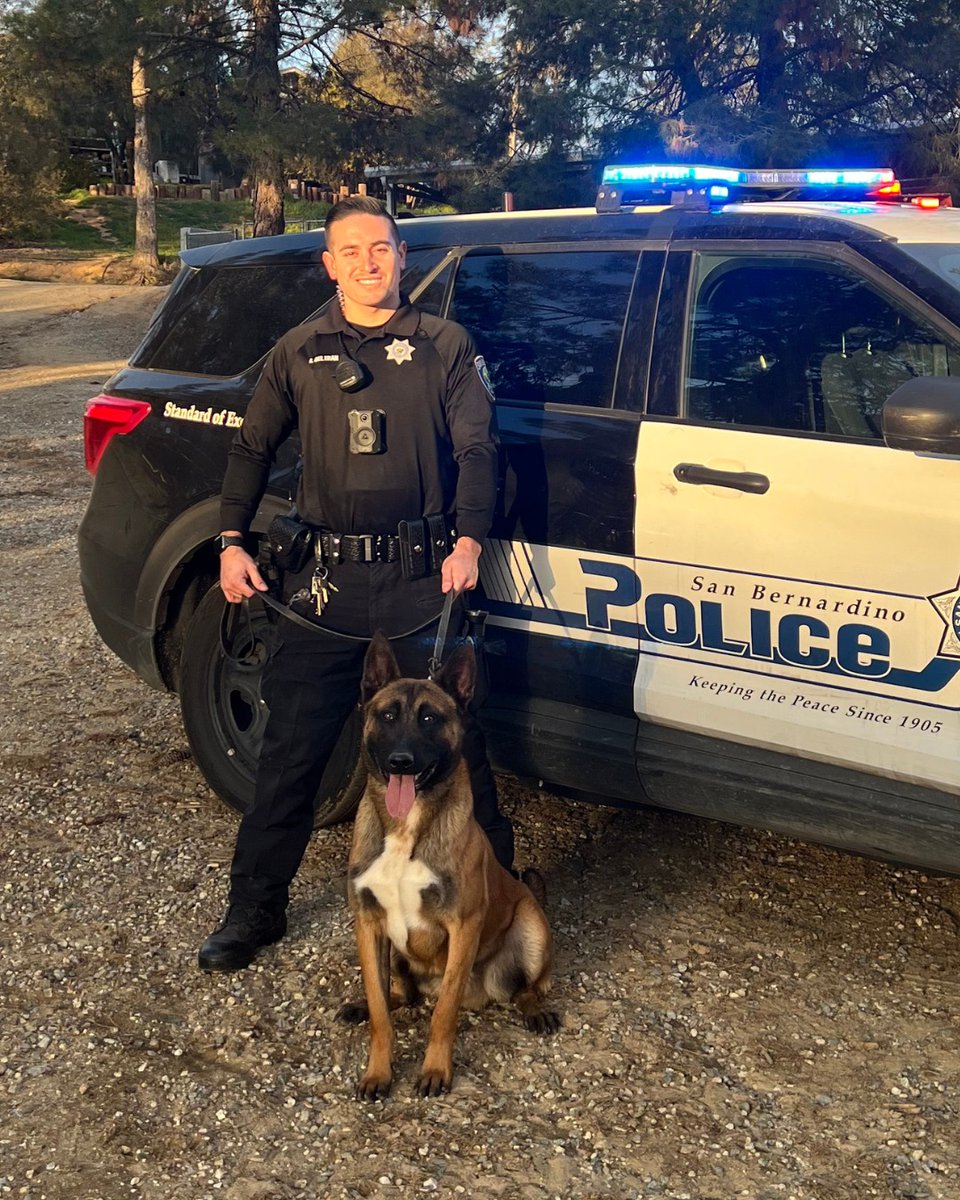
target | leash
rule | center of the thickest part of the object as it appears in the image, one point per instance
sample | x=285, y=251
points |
x=316, y=627
x=436, y=659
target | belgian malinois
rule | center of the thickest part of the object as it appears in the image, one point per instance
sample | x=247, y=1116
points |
x=433, y=908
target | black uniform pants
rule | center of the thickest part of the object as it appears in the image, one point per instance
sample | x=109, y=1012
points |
x=311, y=684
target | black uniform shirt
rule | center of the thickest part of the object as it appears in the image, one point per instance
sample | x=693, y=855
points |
x=424, y=375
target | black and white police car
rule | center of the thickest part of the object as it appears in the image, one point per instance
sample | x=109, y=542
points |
x=724, y=574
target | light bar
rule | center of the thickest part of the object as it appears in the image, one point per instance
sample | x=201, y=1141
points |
x=678, y=173
x=816, y=178
x=699, y=186
x=670, y=173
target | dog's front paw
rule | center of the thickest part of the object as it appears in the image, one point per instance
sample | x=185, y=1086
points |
x=434, y=1083
x=542, y=1020
x=374, y=1087
x=352, y=1012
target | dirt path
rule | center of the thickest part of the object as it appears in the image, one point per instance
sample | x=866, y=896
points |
x=743, y=1015
x=94, y=220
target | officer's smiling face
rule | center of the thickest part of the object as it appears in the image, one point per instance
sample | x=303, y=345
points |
x=365, y=260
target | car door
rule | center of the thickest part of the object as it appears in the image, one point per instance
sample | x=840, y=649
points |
x=799, y=580
x=549, y=321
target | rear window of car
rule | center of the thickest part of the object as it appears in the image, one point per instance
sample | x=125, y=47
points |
x=223, y=324
x=221, y=321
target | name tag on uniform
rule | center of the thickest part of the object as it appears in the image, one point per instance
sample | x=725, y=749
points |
x=323, y=358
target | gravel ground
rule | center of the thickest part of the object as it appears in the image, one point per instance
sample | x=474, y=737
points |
x=743, y=1015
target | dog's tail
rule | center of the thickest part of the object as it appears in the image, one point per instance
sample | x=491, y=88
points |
x=534, y=881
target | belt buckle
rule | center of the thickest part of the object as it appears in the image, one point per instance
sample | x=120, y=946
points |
x=367, y=541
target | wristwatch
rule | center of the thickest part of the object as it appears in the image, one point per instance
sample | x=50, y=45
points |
x=223, y=540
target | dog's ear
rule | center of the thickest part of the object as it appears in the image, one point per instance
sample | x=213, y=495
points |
x=379, y=667
x=458, y=676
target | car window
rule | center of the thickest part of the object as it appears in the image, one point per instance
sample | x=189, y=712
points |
x=548, y=324
x=223, y=321
x=233, y=321
x=419, y=264
x=800, y=344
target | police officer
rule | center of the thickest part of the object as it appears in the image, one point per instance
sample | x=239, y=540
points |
x=395, y=416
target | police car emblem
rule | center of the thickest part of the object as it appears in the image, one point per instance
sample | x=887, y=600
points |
x=947, y=605
x=480, y=363
x=400, y=351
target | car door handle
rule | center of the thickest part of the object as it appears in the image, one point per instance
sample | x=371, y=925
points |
x=743, y=481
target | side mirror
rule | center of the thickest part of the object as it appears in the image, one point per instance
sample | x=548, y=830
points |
x=923, y=415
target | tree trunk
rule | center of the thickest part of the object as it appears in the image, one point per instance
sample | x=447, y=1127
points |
x=775, y=134
x=513, y=138
x=145, y=247
x=772, y=61
x=265, y=98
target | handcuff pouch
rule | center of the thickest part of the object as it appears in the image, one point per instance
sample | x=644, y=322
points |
x=424, y=544
x=290, y=543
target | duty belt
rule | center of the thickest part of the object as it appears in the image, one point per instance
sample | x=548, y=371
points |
x=420, y=546
x=334, y=548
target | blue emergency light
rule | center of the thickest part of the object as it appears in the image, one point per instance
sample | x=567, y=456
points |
x=855, y=178
x=702, y=186
x=676, y=174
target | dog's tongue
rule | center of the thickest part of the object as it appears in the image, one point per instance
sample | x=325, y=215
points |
x=400, y=796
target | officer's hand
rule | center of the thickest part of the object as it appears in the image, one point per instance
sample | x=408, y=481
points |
x=459, y=571
x=239, y=576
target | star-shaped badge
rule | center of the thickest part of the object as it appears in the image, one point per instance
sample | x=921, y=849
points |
x=947, y=605
x=400, y=351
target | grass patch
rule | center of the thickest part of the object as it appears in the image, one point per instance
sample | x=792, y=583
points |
x=69, y=235
x=120, y=215
x=430, y=210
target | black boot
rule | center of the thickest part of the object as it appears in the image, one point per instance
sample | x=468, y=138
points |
x=244, y=930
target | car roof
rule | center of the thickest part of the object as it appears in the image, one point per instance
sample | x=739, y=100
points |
x=902, y=222
x=829, y=220
x=535, y=225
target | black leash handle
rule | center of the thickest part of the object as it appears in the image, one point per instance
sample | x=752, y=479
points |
x=226, y=637
x=436, y=659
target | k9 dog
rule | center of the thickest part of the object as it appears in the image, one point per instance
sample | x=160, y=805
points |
x=433, y=907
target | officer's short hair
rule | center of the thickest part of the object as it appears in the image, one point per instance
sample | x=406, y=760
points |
x=370, y=206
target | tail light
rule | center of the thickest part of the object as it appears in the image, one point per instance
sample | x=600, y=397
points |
x=105, y=416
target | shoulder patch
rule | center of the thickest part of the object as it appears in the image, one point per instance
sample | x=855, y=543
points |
x=480, y=363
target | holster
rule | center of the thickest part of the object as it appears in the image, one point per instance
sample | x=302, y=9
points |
x=424, y=544
x=289, y=542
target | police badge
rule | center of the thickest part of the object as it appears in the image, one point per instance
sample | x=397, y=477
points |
x=947, y=605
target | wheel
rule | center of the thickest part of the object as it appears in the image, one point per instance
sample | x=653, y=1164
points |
x=224, y=716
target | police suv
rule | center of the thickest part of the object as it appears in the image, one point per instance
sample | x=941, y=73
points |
x=724, y=573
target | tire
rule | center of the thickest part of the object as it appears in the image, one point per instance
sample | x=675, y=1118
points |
x=224, y=717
